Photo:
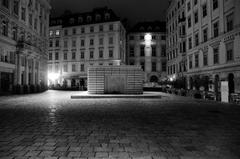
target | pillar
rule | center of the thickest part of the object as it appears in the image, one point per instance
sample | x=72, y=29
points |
x=148, y=59
x=26, y=72
x=19, y=71
x=33, y=71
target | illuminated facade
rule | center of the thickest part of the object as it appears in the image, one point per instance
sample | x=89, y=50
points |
x=213, y=44
x=23, y=45
x=78, y=41
x=176, y=42
x=147, y=48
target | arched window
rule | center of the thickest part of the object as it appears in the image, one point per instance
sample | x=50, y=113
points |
x=71, y=21
x=98, y=17
x=89, y=19
x=4, y=28
x=107, y=16
x=80, y=19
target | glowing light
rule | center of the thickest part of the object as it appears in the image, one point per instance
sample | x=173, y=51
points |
x=148, y=39
x=171, y=79
x=53, y=76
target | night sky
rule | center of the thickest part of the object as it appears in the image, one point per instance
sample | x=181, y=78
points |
x=133, y=10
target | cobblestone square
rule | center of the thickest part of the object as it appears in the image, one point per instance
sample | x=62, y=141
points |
x=52, y=125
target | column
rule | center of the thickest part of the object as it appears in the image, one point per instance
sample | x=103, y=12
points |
x=38, y=72
x=33, y=71
x=19, y=71
x=26, y=72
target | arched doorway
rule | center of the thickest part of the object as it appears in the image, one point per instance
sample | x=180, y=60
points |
x=154, y=79
x=231, y=83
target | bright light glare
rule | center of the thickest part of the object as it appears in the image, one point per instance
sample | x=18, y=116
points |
x=171, y=79
x=53, y=76
x=148, y=39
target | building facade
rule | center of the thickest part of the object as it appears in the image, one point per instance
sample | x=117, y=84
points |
x=77, y=41
x=213, y=44
x=147, y=48
x=176, y=42
x=23, y=45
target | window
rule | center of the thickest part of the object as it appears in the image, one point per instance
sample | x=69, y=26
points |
x=196, y=39
x=65, y=56
x=65, y=32
x=131, y=38
x=215, y=29
x=92, y=29
x=82, y=68
x=196, y=17
x=204, y=10
x=154, y=67
x=57, y=32
x=189, y=43
x=111, y=27
x=73, y=55
x=110, y=53
x=164, y=66
x=91, y=54
x=57, y=43
x=56, y=56
x=35, y=23
x=100, y=28
x=5, y=3
x=100, y=53
x=215, y=55
x=189, y=22
x=205, y=58
x=50, y=43
x=82, y=42
x=73, y=68
x=4, y=28
x=50, y=56
x=141, y=37
x=65, y=68
x=163, y=37
x=229, y=48
x=100, y=41
x=74, y=31
x=142, y=51
x=143, y=66
x=205, y=35
x=110, y=40
x=82, y=30
x=230, y=22
x=73, y=43
x=190, y=61
x=215, y=4
x=131, y=51
x=154, y=51
x=189, y=6
x=196, y=60
x=91, y=41
x=50, y=33
x=14, y=32
x=163, y=51
x=195, y=2
x=82, y=55
x=30, y=19
x=16, y=7
x=65, y=44
x=23, y=14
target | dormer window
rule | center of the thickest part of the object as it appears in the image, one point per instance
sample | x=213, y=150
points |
x=80, y=19
x=149, y=28
x=71, y=21
x=141, y=29
x=107, y=16
x=98, y=18
x=89, y=19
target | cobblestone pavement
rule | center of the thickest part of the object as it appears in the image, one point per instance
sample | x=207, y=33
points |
x=53, y=126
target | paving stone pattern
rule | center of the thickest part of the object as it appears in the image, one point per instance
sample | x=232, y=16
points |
x=50, y=125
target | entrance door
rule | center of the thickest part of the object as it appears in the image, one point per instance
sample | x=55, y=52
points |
x=114, y=84
x=5, y=81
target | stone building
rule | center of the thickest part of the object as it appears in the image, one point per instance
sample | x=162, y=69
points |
x=176, y=42
x=77, y=41
x=23, y=45
x=147, y=48
x=213, y=44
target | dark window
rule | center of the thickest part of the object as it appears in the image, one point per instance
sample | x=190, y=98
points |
x=82, y=54
x=190, y=43
x=91, y=42
x=82, y=42
x=204, y=10
x=111, y=27
x=196, y=60
x=100, y=53
x=154, y=67
x=131, y=38
x=189, y=6
x=215, y=4
x=190, y=62
x=196, y=39
x=101, y=28
x=50, y=56
x=131, y=51
x=82, y=68
x=91, y=29
x=65, y=32
x=196, y=17
x=229, y=48
x=5, y=3
x=110, y=53
x=82, y=30
x=74, y=31
x=73, y=55
x=56, y=56
x=215, y=29
x=164, y=66
x=57, y=43
x=65, y=57
x=205, y=35
x=16, y=7
x=91, y=54
x=230, y=22
x=205, y=58
x=50, y=43
x=215, y=55
x=4, y=28
x=189, y=22
x=143, y=66
x=142, y=51
x=23, y=14
x=154, y=51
